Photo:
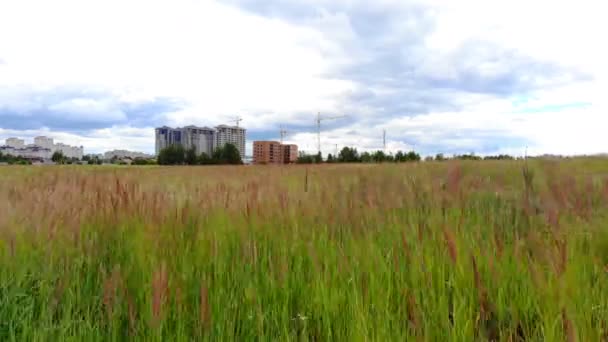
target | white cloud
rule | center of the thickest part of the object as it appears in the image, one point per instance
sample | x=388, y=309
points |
x=222, y=61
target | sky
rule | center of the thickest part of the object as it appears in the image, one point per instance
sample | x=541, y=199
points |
x=439, y=76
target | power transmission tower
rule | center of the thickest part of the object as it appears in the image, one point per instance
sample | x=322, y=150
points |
x=319, y=120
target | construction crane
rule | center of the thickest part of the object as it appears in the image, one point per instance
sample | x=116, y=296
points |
x=235, y=119
x=321, y=119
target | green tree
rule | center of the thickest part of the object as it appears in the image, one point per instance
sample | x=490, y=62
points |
x=379, y=157
x=172, y=155
x=440, y=157
x=191, y=158
x=58, y=157
x=330, y=158
x=412, y=156
x=366, y=157
x=204, y=159
x=399, y=157
x=349, y=155
x=304, y=158
x=232, y=155
x=318, y=158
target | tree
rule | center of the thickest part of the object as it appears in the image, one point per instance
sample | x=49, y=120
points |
x=330, y=158
x=228, y=154
x=191, y=158
x=412, y=156
x=318, y=158
x=349, y=155
x=366, y=157
x=58, y=157
x=172, y=155
x=304, y=158
x=399, y=157
x=379, y=157
x=439, y=157
x=232, y=155
x=204, y=159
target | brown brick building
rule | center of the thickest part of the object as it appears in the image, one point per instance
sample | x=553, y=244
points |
x=272, y=152
x=289, y=154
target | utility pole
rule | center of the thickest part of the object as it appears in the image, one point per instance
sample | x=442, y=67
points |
x=384, y=140
x=336, y=153
x=283, y=134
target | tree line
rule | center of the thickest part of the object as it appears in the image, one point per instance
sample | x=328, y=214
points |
x=178, y=155
x=12, y=160
x=351, y=155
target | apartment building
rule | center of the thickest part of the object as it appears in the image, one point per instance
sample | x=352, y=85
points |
x=167, y=136
x=120, y=154
x=234, y=135
x=267, y=152
x=289, y=154
x=15, y=143
x=43, y=148
x=202, y=139
x=272, y=152
x=44, y=142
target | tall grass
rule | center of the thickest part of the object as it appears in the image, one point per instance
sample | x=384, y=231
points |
x=458, y=251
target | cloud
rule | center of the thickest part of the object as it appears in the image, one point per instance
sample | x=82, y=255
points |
x=440, y=76
x=76, y=109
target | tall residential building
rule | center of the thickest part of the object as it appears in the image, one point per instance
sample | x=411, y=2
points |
x=267, y=152
x=231, y=135
x=202, y=139
x=167, y=136
x=15, y=143
x=44, y=142
x=272, y=152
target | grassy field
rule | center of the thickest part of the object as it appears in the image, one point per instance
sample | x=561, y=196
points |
x=454, y=251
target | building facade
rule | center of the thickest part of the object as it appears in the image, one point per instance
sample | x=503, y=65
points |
x=120, y=154
x=267, y=152
x=15, y=143
x=289, y=153
x=44, y=142
x=202, y=139
x=43, y=148
x=231, y=135
x=272, y=152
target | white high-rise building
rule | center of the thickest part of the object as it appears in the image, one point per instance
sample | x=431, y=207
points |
x=69, y=151
x=231, y=135
x=202, y=139
x=44, y=142
x=15, y=143
x=167, y=136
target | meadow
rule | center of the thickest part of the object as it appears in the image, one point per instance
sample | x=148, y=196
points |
x=432, y=251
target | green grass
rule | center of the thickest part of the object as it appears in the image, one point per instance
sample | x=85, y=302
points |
x=459, y=251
